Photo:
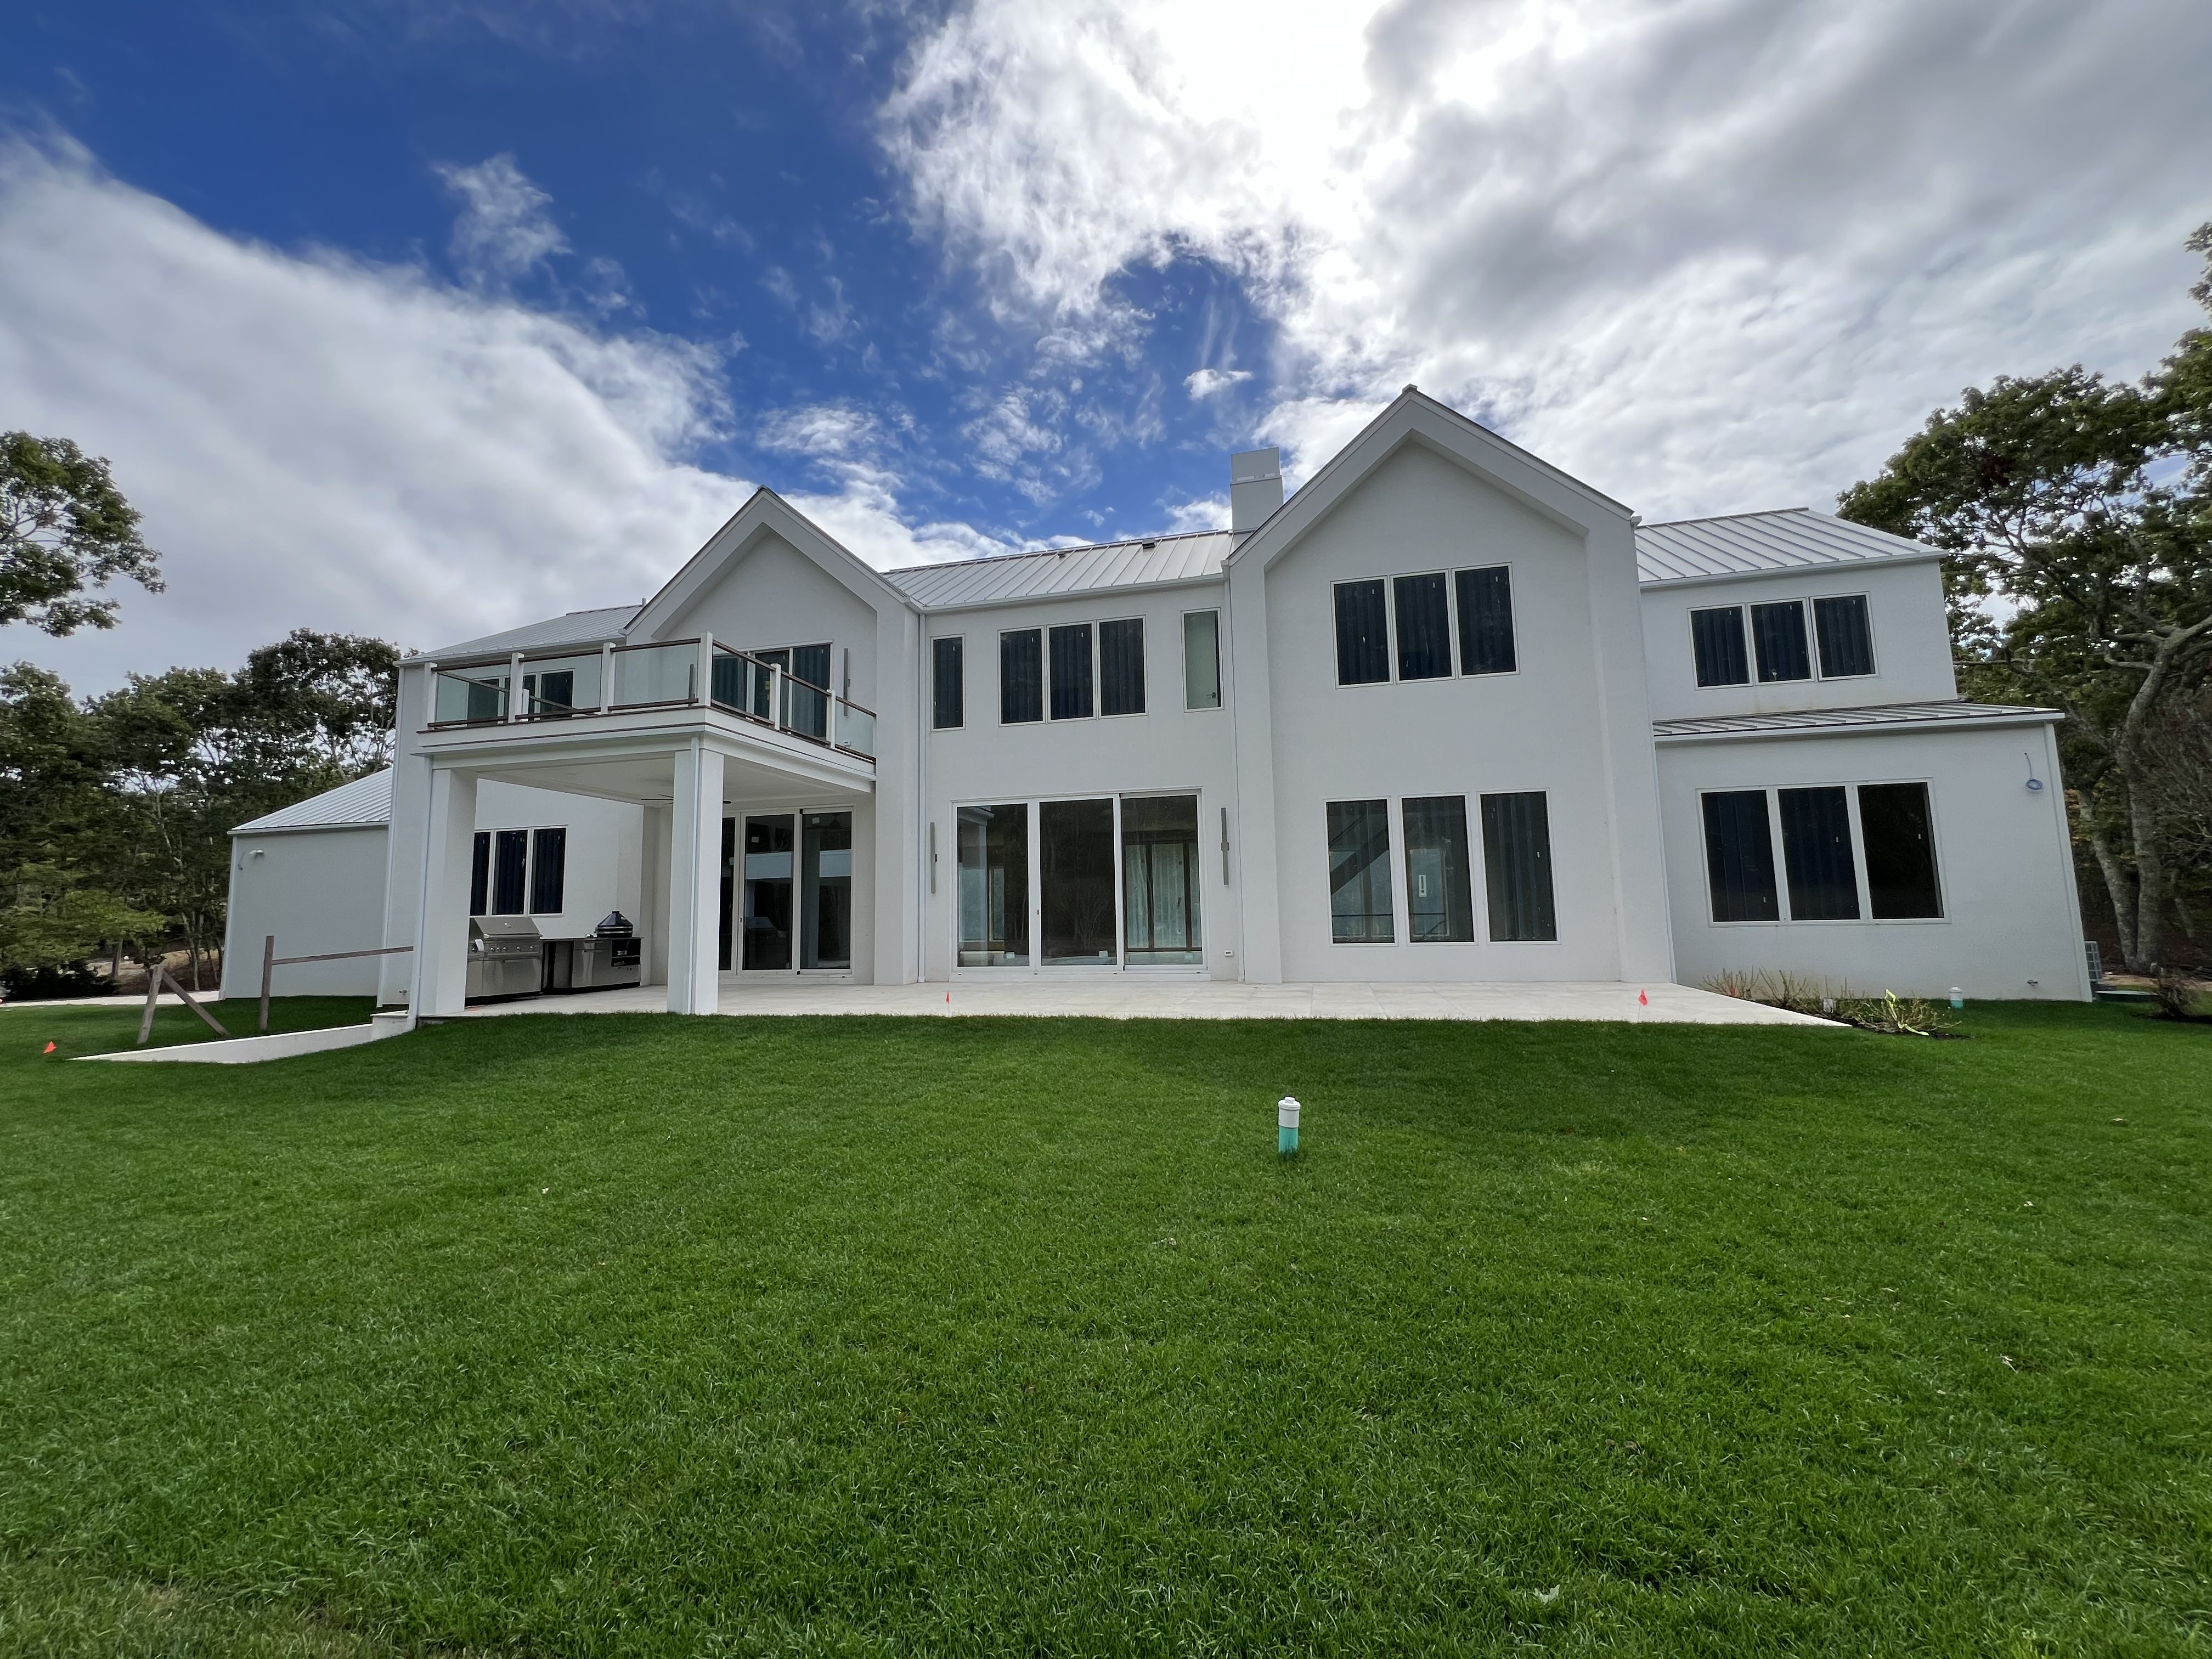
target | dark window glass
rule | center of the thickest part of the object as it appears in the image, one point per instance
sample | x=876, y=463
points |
x=1516, y=858
x=810, y=663
x=1363, y=635
x=549, y=870
x=768, y=892
x=1846, y=638
x=1424, y=605
x=1071, y=672
x=1740, y=857
x=1439, y=892
x=1075, y=882
x=1485, y=621
x=995, y=886
x=1121, y=667
x=825, y=879
x=951, y=684
x=1816, y=851
x=1160, y=879
x=1201, y=660
x=1021, y=676
x=1900, y=851
x=1359, y=871
x=729, y=890
x=1778, y=635
x=510, y=859
x=480, y=875
x=1718, y=637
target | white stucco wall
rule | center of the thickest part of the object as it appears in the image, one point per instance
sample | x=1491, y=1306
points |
x=1905, y=610
x=1166, y=749
x=774, y=596
x=1539, y=728
x=317, y=891
x=2011, y=926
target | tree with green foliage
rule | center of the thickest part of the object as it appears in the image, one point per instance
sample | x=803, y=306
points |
x=2078, y=514
x=64, y=529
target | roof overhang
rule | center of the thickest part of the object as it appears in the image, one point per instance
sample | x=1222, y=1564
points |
x=1864, y=723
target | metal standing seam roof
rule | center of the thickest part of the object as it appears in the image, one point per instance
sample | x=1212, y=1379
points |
x=1834, y=719
x=577, y=628
x=364, y=804
x=1005, y=577
x=1753, y=543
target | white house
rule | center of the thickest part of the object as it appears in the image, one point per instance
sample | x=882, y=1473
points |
x=1445, y=714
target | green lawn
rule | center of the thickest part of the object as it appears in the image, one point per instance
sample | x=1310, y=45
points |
x=629, y=1334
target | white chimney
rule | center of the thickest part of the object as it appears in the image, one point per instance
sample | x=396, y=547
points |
x=1256, y=487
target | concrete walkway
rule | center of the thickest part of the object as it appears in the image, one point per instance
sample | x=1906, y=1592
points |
x=1132, y=997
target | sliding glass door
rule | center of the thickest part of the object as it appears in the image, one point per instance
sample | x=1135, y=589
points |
x=1116, y=884
x=995, y=886
x=826, y=890
x=1075, y=890
x=768, y=892
x=1160, y=881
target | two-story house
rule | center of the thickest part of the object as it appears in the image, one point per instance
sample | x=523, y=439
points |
x=1445, y=714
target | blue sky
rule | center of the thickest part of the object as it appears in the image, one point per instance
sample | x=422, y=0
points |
x=423, y=316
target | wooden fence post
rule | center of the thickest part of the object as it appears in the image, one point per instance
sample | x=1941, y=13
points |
x=267, y=973
x=153, y=989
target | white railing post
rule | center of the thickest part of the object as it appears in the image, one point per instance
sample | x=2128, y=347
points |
x=514, y=686
x=607, y=676
x=706, y=697
x=776, y=711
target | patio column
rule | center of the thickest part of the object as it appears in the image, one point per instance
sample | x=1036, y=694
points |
x=441, y=936
x=695, y=882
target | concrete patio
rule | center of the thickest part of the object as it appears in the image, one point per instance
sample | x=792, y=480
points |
x=1185, y=999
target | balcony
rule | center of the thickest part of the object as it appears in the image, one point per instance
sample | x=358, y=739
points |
x=521, y=689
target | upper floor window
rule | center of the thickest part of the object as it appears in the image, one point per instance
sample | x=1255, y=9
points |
x=1363, y=634
x=1844, y=635
x=1413, y=629
x=1485, y=621
x=1122, y=666
x=1071, y=671
x=1201, y=660
x=1021, y=676
x=949, y=680
x=1716, y=635
x=1424, y=608
x=1777, y=637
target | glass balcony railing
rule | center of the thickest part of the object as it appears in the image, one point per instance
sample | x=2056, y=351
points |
x=649, y=674
x=470, y=696
x=805, y=709
x=856, y=729
x=554, y=688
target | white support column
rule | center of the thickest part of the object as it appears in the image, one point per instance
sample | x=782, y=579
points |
x=441, y=934
x=695, y=882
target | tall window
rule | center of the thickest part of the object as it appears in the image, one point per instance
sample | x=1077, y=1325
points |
x=1201, y=660
x=994, y=885
x=1075, y=883
x=549, y=870
x=510, y=859
x=1718, y=635
x=1021, y=676
x=1816, y=851
x=1122, y=666
x=1424, y=607
x=1740, y=857
x=1071, y=671
x=1485, y=621
x=1359, y=872
x=949, y=679
x=1777, y=634
x=1160, y=880
x=1363, y=634
x=1846, y=639
x=1516, y=860
x=825, y=879
x=480, y=875
x=1900, y=851
x=1439, y=895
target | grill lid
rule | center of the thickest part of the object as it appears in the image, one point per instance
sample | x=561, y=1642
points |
x=504, y=927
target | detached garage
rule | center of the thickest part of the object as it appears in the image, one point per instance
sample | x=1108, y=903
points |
x=312, y=874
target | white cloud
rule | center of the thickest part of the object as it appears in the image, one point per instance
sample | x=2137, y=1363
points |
x=504, y=230
x=1207, y=381
x=1711, y=255
x=318, y=442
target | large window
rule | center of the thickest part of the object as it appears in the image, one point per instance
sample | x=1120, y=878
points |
x=1716, y=635
x=1816, y=852
x=1363, y=634
x=1359, y=872
x=1778, y=636
x=1517, y=860
x=549, y=870
x=1485, y=621
x=825, y=883
x=480, y=874
x=510, y=862
x=1160, y=880
x=1823, y=853
x=1740, y=857
x=1201, y=660
x=1122, y=666
x=1845, y=636
x=949, y=684
x=1900, y=852
x=1075, y=883
x=1071, y=671
x=1439, y=894
x=770, y=910
x=1021, y=676
x=1424, y=615
x=994, y=885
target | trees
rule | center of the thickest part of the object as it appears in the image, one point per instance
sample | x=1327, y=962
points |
x=2083, y=508
x=64, y=528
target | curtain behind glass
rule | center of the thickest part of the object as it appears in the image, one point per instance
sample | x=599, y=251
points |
x=994, y=885
x=1160, y=880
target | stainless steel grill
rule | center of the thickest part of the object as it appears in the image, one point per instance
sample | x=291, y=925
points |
x=506, y=958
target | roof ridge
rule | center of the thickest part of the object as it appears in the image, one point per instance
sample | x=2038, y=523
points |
x=1755, y=513
x=1056, y=552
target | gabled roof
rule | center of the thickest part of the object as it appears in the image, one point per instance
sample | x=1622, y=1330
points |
x=577, y=628
x=1755, y=544
x=1886, y=716
x=764, y=513
x=364, y=804
x=1003, y=577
